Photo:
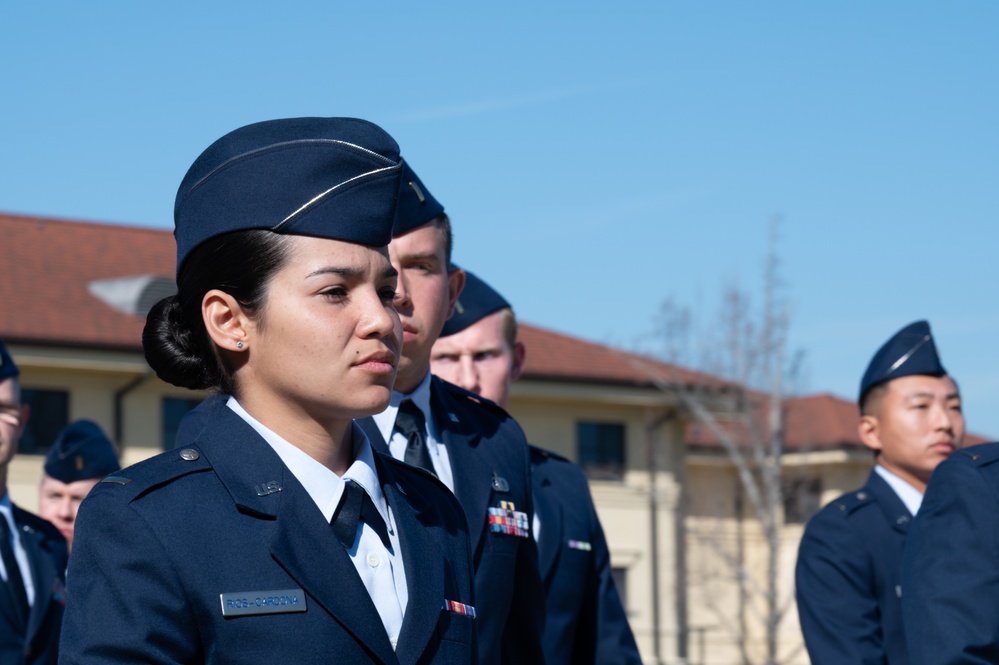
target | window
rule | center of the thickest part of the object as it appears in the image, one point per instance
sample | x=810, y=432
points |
x=802, y=499
x=601, y=450
x=49, y=414
x=174, y=409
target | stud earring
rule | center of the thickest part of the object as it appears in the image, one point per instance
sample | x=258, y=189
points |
x=239, y=345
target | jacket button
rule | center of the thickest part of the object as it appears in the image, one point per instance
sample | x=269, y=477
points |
x=189, y=454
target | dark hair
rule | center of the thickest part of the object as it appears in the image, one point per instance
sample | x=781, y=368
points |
x=174, y=339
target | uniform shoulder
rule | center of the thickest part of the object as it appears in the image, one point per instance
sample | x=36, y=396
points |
x=157, y=471
x=467, y=398
x=541, y=455
x=846, y=505
x=981, y=455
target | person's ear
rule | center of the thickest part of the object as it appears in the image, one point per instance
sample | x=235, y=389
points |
x=519, y=356
x=227, y=323
x=455, y=284
x=870, y=432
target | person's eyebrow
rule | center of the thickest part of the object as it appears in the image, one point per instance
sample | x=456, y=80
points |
x=336, y=270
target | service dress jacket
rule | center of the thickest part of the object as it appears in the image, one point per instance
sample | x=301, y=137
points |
x=36, y=643
x=950, y=569
x=215, y=553
x=847, y=578
x=491, y=467
x=585, y=622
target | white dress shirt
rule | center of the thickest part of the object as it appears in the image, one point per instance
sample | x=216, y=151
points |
x=7, y=513
x=397, y=442
x=380, y=569
x=910, y=496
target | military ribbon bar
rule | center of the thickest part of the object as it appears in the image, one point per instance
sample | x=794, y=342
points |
x=459, y=608
x=507, y=520
x=580, y=545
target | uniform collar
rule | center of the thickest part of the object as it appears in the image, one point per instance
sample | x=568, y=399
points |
x=908, y=494
x=420, y=397
x=324, y=486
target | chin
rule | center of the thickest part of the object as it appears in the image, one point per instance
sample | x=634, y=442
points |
x=369, y=402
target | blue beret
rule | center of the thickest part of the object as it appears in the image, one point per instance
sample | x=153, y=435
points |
x=417, y=205
x=909, y=351
x=7, y=366
x=324, y=177
x=80, y=452
x=477, y=301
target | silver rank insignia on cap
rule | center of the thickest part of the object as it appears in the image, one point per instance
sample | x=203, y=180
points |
x=281, y=601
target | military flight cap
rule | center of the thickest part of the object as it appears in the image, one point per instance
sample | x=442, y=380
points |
x=417, y=206
x=909, y=351
x=477, y=301
x=7, y=366
x=324, y=177
x=81, y=451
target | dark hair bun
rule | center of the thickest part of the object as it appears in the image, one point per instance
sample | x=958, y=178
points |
x=173, y=350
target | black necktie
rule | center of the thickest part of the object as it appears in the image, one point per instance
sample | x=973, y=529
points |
x=15, y=583
x=412, y=425
x=356, y=506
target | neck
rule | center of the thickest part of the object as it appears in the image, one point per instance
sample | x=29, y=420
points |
x=323, y=437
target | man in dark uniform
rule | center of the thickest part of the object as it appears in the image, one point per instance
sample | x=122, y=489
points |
x=850, y=557
x=32, y=553
x=473, y=446
x=81, y=455
x=585, y=621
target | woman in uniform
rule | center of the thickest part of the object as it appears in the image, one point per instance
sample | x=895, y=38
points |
x=276, y=534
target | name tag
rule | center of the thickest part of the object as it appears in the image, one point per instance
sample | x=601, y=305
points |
x=281, y=601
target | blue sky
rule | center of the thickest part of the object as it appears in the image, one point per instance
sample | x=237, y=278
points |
x=595, y=160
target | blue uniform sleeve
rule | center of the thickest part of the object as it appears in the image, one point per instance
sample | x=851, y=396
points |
x=615, y=641
x=124, y=602
x=835, y=589
x=950, y=569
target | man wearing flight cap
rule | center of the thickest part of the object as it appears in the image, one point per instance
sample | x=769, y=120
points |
x=81, y=455
x=584, y=619
x=850, y=557
x=32, y=553
x=473, y=446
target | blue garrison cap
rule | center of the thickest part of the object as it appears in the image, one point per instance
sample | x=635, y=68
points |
x=7, y=366
x=325, y=177
x=909, y=351
x=417, y=205
x=80, y=452
x=477, y=301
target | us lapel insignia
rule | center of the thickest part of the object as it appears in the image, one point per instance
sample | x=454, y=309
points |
x=453, y=418
x=263, y=489
x=281, y=601
x=500, y=484
x=509, y=521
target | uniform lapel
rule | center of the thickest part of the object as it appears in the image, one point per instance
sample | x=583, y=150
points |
x=370, y=428
x=897, y=515
x=550, y=514
x=43, y=575
x=471, y=473
x=301, y=542
x=423, y=559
